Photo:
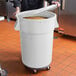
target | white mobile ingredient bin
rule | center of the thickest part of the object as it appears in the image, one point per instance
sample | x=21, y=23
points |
x=37, y=38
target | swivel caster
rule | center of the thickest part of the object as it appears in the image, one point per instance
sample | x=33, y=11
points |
x=35, y=71
x=48, y=68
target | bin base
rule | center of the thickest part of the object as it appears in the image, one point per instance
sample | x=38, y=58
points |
x=35, y=70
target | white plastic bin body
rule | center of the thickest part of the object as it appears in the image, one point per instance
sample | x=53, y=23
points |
x=37, y=39
x=37, y=49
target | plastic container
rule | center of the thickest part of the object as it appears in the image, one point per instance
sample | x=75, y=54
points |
x=37, y=39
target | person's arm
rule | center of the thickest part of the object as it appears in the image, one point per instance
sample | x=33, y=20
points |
x=17, y=4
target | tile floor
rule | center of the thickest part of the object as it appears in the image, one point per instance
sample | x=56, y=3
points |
x=64, y=54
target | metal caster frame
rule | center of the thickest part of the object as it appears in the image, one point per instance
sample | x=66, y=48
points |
x=35, y=71
x=48, y=68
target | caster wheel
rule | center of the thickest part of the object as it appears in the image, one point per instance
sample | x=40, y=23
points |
x=35, y=71
x=48, y=68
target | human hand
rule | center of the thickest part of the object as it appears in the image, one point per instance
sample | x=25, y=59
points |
x=56, y=2
x=17, y=11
